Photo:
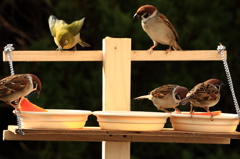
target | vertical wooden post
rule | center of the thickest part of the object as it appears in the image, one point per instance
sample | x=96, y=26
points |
x=116, y=88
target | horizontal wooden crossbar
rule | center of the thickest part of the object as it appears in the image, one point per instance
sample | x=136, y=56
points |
x=167, y=135
x=136, y=55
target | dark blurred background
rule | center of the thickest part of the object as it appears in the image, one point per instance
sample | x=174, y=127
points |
x=201, y=25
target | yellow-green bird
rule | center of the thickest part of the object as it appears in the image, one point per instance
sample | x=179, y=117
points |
x=66, y=35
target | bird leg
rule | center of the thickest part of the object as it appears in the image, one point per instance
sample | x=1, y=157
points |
x=207, y=109
x=75, y=48
x=164, y=110
x=177, y=111
x=14, y=106
x=169, y=49
x=150, y=50
x=191, y=111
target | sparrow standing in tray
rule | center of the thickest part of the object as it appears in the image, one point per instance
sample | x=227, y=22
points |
x=205, y=95
x=66, y=35
x=16, y=86
x=166, y=96
x=158, y=27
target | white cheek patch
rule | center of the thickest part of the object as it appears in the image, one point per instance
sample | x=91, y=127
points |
x=144, y=20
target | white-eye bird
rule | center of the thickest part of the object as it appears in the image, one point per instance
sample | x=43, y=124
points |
x=66, y=35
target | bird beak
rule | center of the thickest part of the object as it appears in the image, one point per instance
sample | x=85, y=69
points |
x=135, y=15
x=82, y=20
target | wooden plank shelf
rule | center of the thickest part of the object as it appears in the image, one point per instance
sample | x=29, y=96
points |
x=96, y=134
x=96, y=55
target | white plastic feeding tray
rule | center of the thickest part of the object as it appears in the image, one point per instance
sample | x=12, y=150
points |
x=221, y=123
x=54, y=119
x=131, y=120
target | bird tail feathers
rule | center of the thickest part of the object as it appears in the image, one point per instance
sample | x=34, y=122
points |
x=84, y=44
x=51, y=21
x=176, y=46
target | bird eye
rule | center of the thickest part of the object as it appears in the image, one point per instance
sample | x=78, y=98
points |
x=66, y=42
x=146, y=15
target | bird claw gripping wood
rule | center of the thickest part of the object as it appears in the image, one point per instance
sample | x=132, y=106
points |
x=221, y=50
x=8, y=49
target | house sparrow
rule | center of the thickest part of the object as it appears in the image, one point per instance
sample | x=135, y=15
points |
x=16, y=86
x=66, y=35
x=205, y=95
x=166, y=96
x=158, y=27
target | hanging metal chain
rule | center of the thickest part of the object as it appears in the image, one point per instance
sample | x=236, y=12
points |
x=8, y=49
x=221, y=50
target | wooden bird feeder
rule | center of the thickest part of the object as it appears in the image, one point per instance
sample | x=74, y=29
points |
x=117, y=56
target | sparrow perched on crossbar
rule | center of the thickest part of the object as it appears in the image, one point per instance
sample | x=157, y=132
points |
x=158, y=27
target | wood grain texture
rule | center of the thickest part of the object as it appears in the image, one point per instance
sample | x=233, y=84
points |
x=47, y=55
x=188, y=55
x=96, y=55
x=96, y=134
x=116, y=89
x=116, y=74
x=99, y=131
x=115, y=150
x=167, y=135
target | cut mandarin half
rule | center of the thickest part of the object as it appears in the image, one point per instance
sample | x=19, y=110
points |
x=26, y=105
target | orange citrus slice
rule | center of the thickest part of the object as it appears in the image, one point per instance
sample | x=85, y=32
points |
x=214, y=113
x=26, y=105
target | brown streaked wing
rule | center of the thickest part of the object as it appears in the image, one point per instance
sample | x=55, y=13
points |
x=204, y=92
x=169, y=24
x=162, y=91
x=12, y=83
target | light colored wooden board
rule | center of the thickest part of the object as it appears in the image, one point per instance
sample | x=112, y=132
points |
x=169, y=132
x=8, y=135
x=173, y=139
x=96, y=55
x=47, y=55
x=116, y=74
x=115, y=143
x=188, y=55
x=115, y=150
x=116, y=88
